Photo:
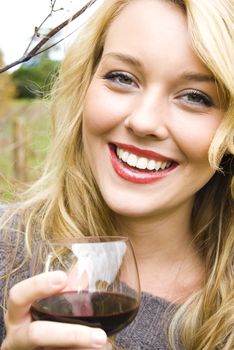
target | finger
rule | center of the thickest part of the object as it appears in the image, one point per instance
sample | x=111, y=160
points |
x=59, y=335
x=23, y=294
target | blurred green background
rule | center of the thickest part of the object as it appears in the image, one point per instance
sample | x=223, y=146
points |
x=24, y=122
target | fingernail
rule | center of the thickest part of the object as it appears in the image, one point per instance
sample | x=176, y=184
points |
x=57, y=278
x=98, y=337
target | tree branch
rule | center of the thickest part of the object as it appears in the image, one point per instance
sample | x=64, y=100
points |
x=36, y=50
x=37, y=28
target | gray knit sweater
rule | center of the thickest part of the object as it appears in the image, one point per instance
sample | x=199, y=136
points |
x=146, y=332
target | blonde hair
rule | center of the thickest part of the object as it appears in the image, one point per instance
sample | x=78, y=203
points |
x=65, y=201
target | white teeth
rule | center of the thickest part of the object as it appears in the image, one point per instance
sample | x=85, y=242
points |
x=141, y=162
x=163, y=166
x=158, y=165
x=151, y=164
x=125, y=156
x=132, y=160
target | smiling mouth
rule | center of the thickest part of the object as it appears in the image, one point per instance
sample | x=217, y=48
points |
x=133, y=160
x=141, y=163
x=139, y=168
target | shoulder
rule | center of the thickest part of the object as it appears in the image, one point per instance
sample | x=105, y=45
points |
x=14, y=262
x=10, y=224
x=13, y=252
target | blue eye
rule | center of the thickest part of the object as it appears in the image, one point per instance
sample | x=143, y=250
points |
x=195, y=97
x=120, y=78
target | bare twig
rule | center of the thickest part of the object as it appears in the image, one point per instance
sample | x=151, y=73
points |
x=37, y=28
x=36, y=50
x=54, y=44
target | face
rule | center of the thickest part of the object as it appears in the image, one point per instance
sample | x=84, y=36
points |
x=150, y=113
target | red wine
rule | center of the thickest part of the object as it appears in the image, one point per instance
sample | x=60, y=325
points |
x=109, y=311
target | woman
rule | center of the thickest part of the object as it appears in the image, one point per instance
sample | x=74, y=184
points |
x=143, y=146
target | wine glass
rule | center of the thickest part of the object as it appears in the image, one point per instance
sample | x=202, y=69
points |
x=103, y=288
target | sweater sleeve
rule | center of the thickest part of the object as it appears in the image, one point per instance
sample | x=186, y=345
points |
x=148, y=329
x=13, y=265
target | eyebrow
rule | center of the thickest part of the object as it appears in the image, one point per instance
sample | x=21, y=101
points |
x=189, y=76
x=124, y=58
x=199, y=77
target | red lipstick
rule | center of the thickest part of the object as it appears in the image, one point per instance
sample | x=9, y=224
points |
x=135, y=175
x=143, y=153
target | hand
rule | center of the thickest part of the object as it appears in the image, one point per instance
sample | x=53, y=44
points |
x=23, y=334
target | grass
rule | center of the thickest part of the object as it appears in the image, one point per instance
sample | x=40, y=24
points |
x=34, y=117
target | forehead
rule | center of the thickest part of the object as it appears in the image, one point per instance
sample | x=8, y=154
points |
x=143, y=18
x=151, y=30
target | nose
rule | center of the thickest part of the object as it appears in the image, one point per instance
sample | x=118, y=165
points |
x=148, y=117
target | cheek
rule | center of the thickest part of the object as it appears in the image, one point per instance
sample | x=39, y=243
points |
x=195, y=139
x=92, y=115
x=103, y=110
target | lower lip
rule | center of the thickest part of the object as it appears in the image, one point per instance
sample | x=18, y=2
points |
x=133, y=174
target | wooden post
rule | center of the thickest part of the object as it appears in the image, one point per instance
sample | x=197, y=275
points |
x=20, y=149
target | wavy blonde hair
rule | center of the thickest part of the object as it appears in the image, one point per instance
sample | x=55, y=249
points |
x=65, y=201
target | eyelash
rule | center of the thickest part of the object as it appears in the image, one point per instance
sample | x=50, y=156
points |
x=116, y=76
x=204, y=99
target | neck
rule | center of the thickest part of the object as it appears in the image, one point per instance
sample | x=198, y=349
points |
x=158, y=235
x=165, y=253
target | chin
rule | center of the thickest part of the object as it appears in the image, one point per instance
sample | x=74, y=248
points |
x=125, y=208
